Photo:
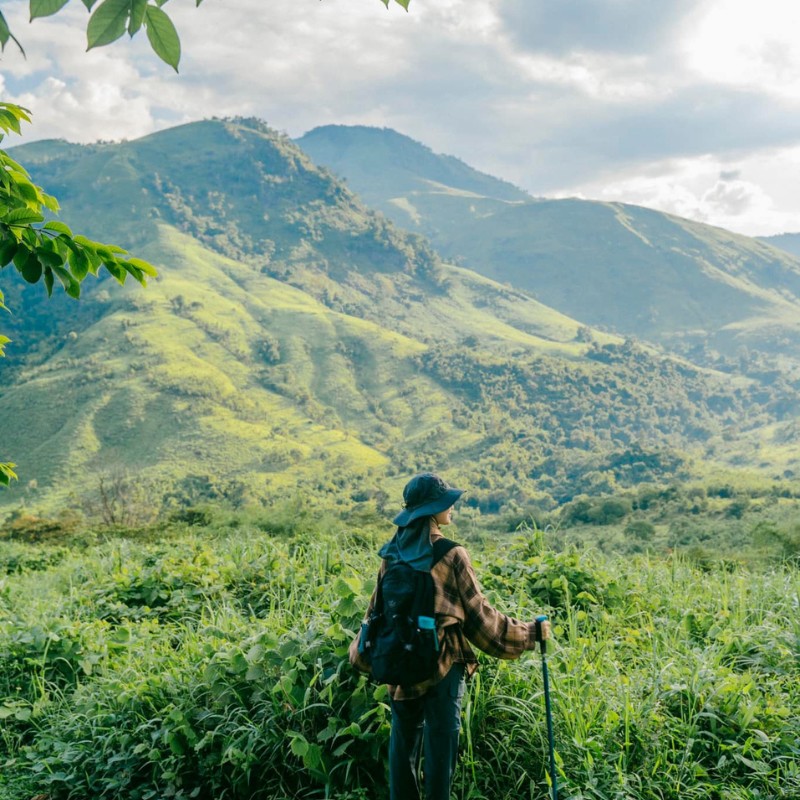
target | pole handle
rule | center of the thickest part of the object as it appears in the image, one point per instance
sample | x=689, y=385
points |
x=542, y=642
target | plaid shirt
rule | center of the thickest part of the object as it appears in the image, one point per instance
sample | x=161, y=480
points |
x=463, y=616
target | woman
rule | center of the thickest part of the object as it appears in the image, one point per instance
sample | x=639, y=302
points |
x=426, y=717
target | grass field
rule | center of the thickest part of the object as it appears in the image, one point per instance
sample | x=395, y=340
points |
x=210, y=661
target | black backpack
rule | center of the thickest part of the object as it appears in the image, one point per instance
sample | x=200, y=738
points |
x=400, y=640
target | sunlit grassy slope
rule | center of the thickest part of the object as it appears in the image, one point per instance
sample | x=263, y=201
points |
x=296, y=341
x=219, y=369
x=630, y=269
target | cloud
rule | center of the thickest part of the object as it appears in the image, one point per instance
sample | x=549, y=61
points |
x=738, y=195
x=558, y=97
x=732, y=45
x=732, y=198
x=613, y=27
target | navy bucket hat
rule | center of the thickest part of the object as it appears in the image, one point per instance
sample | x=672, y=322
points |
x=425, y=495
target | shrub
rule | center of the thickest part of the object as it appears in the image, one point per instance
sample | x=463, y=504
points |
x=640, y=529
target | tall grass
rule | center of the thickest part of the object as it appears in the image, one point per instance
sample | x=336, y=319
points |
x=213, y=665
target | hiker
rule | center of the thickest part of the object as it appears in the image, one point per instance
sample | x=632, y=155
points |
x=426, y=716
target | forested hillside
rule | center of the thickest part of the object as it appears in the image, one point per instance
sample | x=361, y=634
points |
x=696, y=289
x=298, y=342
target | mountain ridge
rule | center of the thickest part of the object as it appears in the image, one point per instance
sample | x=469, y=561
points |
x=643, y=273
x=399, y=158
x=297, y=343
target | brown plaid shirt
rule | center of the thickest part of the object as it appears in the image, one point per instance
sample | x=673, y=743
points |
x=463, y=616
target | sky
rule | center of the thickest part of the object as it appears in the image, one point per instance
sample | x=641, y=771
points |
x=687, y=106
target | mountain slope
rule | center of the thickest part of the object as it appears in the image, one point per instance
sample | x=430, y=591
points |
x=790, y=242
x=296, y=343
x=383, y=162
x=633, y=270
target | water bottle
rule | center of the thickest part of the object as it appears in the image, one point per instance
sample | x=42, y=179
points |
x=429, y=624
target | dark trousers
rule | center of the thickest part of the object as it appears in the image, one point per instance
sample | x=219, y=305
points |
x=430, y=723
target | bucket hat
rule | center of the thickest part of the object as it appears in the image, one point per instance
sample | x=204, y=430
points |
x=425, y=495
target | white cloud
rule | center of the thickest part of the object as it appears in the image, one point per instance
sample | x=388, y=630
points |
x=737, y=43
x=727, y=194
x=641, y=101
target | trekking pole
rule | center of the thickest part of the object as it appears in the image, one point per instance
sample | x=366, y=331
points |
x=547, y=707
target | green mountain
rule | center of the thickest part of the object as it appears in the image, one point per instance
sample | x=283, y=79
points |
x=638, y=272
x=297, y=344
x=382, y=163
x=790, y=242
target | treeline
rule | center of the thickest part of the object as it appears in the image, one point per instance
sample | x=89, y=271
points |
x=553, y=428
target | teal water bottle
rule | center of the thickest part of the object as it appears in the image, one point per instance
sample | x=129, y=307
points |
x=429, y=624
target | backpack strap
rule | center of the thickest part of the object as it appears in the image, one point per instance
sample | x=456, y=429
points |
x=441, y=547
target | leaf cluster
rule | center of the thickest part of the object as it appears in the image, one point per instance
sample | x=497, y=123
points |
x=7, y=473
x=43, y=250
x=111, y=19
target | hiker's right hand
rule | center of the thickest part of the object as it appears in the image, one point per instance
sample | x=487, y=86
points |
x=544, y=630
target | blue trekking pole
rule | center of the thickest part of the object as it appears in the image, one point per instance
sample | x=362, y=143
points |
x=548, y=709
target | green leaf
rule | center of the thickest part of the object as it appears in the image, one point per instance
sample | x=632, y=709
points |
x=5, y=35
x=12, y=169
x=71, y=286
x=108, y=250
x=9, y=122
x=84, y=242
x=163, y=36
x=29, y=266
x=108, y=22
x=89, y=4
x=20, y=112
x=299, y=745
x=22, y=216
x=139, y=268
x=58, y=227
x=44, y=8
x=78, y=262
x=8, y=246
x=27, y=191
x=48, y=281
x=403, y=3
x=48, y=257
x=7, y=473
x=138, y=7
x=116, y=270
x=49, y=202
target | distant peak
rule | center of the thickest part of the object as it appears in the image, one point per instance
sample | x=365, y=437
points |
x=354, y=151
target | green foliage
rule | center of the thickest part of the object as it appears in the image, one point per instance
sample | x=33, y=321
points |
x=110, y=19
x=16, y=557
x=46, y=250
x=561, y=581
x=668, y=682
x=41, y=250
x=7, y=473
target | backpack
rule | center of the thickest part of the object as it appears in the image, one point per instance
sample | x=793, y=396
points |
x=400, y=640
